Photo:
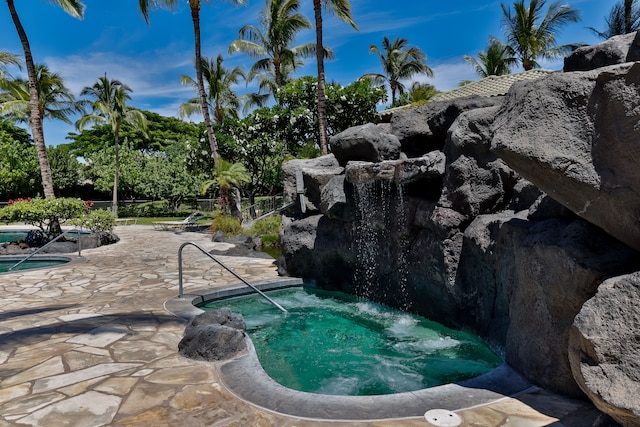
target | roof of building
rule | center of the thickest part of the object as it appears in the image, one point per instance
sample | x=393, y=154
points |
x=490, y=86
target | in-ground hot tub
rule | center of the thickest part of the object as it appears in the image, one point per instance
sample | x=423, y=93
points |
x=246, y=378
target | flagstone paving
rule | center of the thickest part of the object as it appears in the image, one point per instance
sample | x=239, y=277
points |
x=89, y=343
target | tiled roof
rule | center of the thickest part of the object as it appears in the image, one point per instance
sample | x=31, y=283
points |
x=490, y=86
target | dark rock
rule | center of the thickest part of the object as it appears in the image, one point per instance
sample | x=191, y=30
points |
x=333, y=200
x=213, y=336
x=616, y=50
x=558, y=133
x=315, y=174
x=604, y=349
x=523, y=282
x=424, y=129
x=364, y=143
x=218, y=236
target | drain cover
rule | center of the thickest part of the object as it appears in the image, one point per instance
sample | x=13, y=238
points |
x=442, y=418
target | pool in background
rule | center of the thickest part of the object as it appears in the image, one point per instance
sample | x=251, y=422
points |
x=38, y=261
x=245, y=378
x=8, y=236
x=338, y=344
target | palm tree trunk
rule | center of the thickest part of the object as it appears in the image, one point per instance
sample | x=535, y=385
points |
x=628, y=12
x=36, y=117
x=322, y=97
x=116, y=173
x=213, y=143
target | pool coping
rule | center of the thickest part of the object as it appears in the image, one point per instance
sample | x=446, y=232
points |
x=244, y=377
x=71, y=259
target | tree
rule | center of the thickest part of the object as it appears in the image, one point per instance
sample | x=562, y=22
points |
x=65, y=170
x=18, y=163
x=496, y=61
x=194, y=5
x=228, y=177
x=532, y=35
x=7, y=58
x=220, y=97
x=418, y=93
x=109, y=105
x=342, y=9
x=55, y=100
x=623, y=19
x=399, y=62
x=76, y=9
x=280, y=23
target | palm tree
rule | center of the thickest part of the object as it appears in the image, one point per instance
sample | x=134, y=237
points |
x=228, y=177
x=109, y=106
x=220, y=97
x=55, y=100
x=531, y=34
x=74, y=8
x=342, y=9
x=623, y=19
x=194, y=5
x=280, y=22
x=398, y=62
x=7, y=58
x=496, y=61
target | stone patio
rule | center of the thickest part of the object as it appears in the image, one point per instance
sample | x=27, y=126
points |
x=90, y=343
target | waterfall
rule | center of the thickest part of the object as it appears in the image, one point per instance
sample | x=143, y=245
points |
x=380, y=243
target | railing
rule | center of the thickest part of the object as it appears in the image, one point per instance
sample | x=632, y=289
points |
x=223, y=265
x=263, y=208
x=48, y=244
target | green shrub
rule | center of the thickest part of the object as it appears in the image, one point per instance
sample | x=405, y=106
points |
x=268, y=230
x=96, y=220
x=227, y=224
x=46, y=214
x=269, y=225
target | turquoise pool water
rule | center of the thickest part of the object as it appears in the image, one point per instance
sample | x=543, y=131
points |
x=6, y=264
x=333, y=343
x=12, y=236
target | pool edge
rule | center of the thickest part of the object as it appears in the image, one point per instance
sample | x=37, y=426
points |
x=245, y=378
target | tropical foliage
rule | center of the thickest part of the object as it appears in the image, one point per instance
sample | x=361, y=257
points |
x=221, y=98
x=342, y=9
x=624, y=18
x=399, y=62
x=18, y=162
x=55, y=100
x=76, y=9
x=46, y=214
x=109, y=105
x=497, y=60
x=280, y=23
x=531, y=32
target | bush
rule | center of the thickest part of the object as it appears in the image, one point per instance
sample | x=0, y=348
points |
x=46, y=214
x=227, y=224
x=268, y=230
x=96, y=220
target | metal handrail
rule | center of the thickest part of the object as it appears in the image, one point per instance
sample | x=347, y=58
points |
x=48, y=243
x=223, y=265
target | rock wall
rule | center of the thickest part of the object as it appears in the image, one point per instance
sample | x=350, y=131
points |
x=501, y=215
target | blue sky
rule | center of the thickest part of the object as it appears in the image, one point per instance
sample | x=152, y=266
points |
x=114, y=38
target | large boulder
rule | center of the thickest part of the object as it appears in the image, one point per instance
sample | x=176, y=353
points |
x=315, y=173
x=424, y=129
x=366, y=143
x=476, y=181
x=574, y=135
x=213, y=336
x=604, y=349
x=523, y=282
x=319, y=248
x=616, y=50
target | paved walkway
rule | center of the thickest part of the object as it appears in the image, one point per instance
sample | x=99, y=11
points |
x=90, y=344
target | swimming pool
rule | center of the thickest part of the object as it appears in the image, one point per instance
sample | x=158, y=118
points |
x=6, y=262
x=334, y=343
x=8, y=236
